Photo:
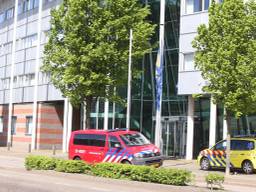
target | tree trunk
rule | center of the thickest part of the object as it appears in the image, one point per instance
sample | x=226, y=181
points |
x=228, y=118
x=88, y=101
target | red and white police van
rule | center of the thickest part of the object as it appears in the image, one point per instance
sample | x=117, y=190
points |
x=115, y=146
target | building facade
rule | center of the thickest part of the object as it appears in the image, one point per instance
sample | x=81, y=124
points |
x=40, y=117
x=206, y=124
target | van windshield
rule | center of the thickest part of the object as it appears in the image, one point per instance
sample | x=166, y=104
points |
x=134, y=139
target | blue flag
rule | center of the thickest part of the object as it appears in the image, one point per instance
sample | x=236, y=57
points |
x=159, y=81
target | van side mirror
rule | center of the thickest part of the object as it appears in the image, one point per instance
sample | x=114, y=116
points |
x=117, y=145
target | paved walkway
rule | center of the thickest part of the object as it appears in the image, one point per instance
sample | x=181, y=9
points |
x=236, y=182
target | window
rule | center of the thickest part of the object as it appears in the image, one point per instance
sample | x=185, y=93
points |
x=241, y=145
x=36, y=3
x=29, y=5
x=13, y=127
x=193, y=6
x=2, y=17
x=1, y=124
x=90, y=140
x=6, y=83
x=134, y=139
x=206, y=4
x=221, y=146
x=189, y=62
x=44, y=78
x=9, y=13
x=29, y=125
x=21, y=8
x=113, y=141
x=30, y=41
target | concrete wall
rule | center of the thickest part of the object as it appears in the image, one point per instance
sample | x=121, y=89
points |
x=189, y=81
x=25, y=55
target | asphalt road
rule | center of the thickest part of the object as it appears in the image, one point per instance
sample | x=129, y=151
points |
x=14, y=178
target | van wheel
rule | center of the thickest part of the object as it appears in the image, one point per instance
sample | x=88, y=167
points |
x=247, y=167
x=126, y=162
x=205, y=164
x=77, y=158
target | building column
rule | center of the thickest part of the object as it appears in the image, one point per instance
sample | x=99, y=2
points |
x=65, y=126
x=225, y=126
x=9, y=132
x=35, y=104
x=190, y=128
x=84, y=116
x=69, y=123
x=97, y=113
x=106, y=111
x=213, y=118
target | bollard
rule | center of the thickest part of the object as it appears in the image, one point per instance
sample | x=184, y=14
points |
x=53, y=149
x=29, y=148
x=8, y=146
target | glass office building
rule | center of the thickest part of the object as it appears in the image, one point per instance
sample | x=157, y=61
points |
x=143, y=89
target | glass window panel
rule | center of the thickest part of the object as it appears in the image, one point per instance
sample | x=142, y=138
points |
x=13, y=126
x=20, y=8
x=9, y=13
x=241, y=145
x=90, y=140
x=198, y=5
x=2, y=17
x=206, y=4
x=189, y=6
x=36, y=3
x=113, y=141
x=221, y=146
x=1, y=125
x=29, y=125
x=189, y=62
x=29, y=5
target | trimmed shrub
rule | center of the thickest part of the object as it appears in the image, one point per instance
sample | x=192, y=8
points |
x=143, y=173
x=40, y=163
x=72, y=166
x=171, y=176
x=112, y=170
x=214, y=179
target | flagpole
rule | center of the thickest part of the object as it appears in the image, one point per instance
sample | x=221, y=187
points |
x=128, y=112
x=159, y=77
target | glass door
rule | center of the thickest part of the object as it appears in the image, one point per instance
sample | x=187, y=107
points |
x=174, y=138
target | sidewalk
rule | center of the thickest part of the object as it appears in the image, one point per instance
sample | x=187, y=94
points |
x=24, y=153
x=233, y=182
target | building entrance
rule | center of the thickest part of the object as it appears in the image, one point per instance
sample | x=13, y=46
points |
x=174, y=137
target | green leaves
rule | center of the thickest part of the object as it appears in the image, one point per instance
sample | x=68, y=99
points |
x=224, y=54
x=88, y=45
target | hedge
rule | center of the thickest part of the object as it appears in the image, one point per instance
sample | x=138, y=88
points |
x=112, y=170
x=71, y=166
x=40, y=163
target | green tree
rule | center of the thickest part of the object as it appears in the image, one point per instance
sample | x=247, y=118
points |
x=88, y=47
x=225, y=54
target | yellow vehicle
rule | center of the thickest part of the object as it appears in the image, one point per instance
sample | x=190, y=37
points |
x=242, y=155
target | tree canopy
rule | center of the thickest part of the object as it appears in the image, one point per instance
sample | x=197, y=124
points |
x=225, y=54
x=88, y=46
